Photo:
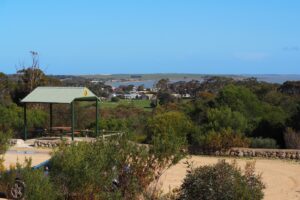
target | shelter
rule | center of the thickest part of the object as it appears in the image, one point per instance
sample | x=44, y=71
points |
x=60, y=95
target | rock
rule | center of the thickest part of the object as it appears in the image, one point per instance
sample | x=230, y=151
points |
x=282, y=155
x=241, y=154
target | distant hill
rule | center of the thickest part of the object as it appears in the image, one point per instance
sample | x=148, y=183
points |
x=272, y=78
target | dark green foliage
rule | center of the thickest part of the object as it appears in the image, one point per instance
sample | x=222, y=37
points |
x=224, y=117
x=292, y=139
x=4, y=138
x=115, y=99
x=169, y=131
x=222, y=181
x=165, y=98
x=266, y=143
x=12, y=118
x=294, y=121
x=240, y=99
x=267, y=129
x=39, y=186
x=290, y=87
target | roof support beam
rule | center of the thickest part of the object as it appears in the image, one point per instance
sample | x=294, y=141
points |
x=51, y=118
x=97, y=117
x=72, y=119
x=25, y=122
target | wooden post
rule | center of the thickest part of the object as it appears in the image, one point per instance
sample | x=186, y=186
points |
x=25, y=122
x=51, y=125
x=97, y=117
x=72, y=120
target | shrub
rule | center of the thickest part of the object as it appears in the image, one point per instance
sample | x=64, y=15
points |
x=269, y=129
x=267, y=143
x=38, y=186
x=292, y=139
x=224, y=117
x=222, y=140
x=12, y=118
x=168, y=131
x=86, y=171
x=115, y=99
x=222, y=181
x=4, y=138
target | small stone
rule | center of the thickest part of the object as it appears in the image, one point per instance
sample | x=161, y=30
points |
x=282, y=155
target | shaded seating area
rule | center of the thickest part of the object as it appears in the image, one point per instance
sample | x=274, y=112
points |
x=60, y=95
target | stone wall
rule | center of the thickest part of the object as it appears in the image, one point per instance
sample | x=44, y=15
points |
x=52, y=143
x=49, y=143
x=264, y=153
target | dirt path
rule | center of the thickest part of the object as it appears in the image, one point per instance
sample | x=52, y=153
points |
x=19, y=155
x=282, y=178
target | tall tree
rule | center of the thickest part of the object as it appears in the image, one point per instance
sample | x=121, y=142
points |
x=29, y=78
x=32, y=76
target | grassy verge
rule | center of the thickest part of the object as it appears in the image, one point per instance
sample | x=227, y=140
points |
x=143, y=104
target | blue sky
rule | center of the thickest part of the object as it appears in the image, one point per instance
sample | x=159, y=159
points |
x=152, y=36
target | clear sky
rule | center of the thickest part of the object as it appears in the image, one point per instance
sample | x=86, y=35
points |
x=152, y=36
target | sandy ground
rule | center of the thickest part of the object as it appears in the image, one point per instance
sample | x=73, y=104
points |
x=12, y=158
x=15, y=155
x=282, y=178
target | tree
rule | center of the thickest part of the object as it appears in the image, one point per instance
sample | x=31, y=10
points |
x=165, y=97
x=169, y=129
x=5, y=87
x=141, y=88
x=224, y=117
x=29, y=78
x=294, y=120
x=290, y=87
x=240, y=99
x=163, y=84
x=32, y=76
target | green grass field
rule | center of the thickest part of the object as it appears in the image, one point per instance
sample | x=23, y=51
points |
x=143, y=104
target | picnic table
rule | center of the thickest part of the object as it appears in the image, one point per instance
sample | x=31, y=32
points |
x=61, y=129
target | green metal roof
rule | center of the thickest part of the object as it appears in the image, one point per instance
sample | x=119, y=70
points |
x=59, y=95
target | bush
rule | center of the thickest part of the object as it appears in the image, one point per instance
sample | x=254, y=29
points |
x=38, y=186
x=4, y=138
x=86, y=171
x=169, y=131
x=115, y=99
x=292, y=139
x=222, y=140
x=224, y=117
x=267, y=143
x=222, y=181
x=11, y=118
x=269, y=129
